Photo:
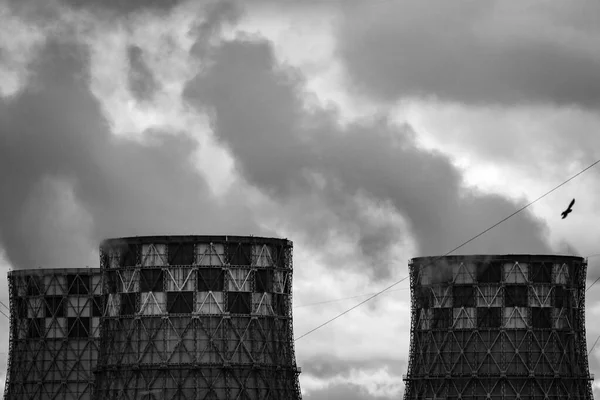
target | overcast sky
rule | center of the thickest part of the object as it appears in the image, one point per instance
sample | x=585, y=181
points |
x=367, y=132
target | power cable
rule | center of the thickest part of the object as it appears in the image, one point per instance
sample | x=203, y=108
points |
x=344, y=298
x=350, y=309
x=453, y=250
x=2, y=312
x=369, y=294
x=4, y=305
x=597, y=279
x=590, y=352
x=589, y=287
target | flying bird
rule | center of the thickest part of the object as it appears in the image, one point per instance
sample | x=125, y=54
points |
x=568, y=210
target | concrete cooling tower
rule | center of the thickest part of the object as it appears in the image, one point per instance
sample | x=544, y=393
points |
x=54, y=333
x=498, y=327
x=197, y=317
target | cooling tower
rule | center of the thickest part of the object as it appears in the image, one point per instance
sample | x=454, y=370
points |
x=54, y=335
x=197, y=317
x=498, y=327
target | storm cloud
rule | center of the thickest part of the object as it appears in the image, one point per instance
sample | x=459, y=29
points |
x=125, y=6
x=54, y=131
x=115, y=7
x=473, y=52
x=289, y=152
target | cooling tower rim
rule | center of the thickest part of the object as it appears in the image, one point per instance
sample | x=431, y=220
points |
x=54, y=271
x=152, y=239
x=498, y=257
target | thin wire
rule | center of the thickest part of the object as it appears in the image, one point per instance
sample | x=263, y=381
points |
x=451, y=251
x=589, y=287
x=590, y=352
x=344, y=298
x=4, y=305
x=368, y=294
x=2, y=312
x=350, y=309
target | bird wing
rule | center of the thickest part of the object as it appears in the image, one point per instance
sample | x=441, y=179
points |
x=572, y=202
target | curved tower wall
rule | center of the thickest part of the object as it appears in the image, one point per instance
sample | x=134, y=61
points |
x=498, y=327
x=54, y=333
x=197, y=317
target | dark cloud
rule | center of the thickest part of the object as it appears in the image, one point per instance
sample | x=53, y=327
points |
x=473, y=52
x=50, y=9
x=124, y=6
x=35, y=10
x=54, y=129
x=142, y=83
x=292, y=154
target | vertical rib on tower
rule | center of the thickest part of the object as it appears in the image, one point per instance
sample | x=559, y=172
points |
x=197, y=317
x=498, y=327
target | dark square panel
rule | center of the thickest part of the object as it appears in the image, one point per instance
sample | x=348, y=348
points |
x=490, y=272
x=97, y=306
x=128, y=303
x=181, y=253
x=33, y=286
x=78, y=327
x=151, y=280
x=238, y=254
x=78, y=284
x=72, y=285
x=180, y=302
x=561, y=297
x=541, y=318
x=540, y=272
x=441, y=318
x=489, y=317
x=441, y=274
x=463, y=296
x=423, y=298
x=239, y=302
x=515, y=296
x=574, y=272
x=263, y=279
x=36, y=328
x=211, y=279
x=55, y=306
x=21, y=305
x=277, y=255
x=130, y=254
x=84, y=284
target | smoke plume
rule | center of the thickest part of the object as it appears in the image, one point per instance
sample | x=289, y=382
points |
x=54, y=135
x=258, y=113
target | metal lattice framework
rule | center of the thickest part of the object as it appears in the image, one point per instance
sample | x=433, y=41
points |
x=498, y=327
x=197, y=317
x=54, y=333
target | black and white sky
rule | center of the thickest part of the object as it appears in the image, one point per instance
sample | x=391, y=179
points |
x=368, y=132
